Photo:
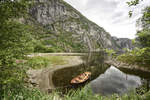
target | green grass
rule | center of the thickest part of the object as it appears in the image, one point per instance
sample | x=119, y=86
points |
x=57, y=60
x=39, y=62
x=83, y=94
x=87, y=94
x=27, y=94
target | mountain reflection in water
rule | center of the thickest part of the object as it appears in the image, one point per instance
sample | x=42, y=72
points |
x=115, y=81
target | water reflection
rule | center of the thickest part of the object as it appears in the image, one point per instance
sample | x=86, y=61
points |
x=94, y=63
x=115, y=81
x=105, y=80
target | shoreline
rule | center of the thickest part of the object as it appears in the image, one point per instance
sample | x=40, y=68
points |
x=119, y=64
x=42, y=78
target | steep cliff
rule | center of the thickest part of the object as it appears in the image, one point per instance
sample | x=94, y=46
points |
x=123, y=43
x=68, y=28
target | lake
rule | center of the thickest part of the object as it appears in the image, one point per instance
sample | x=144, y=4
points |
x=105, y=79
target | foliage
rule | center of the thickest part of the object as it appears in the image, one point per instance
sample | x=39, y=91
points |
x=39, y=47
x=11, y=78
x=87, y=94
x=23, y=93
x=38, y=62
x=144, y=21
x=15, y=40
x=132, y=3
x=14, y=36
x=83, y=94
x=140, y=55
x=12, y=9
x=79, y=94
x=15, y=43
x=147, y=96
x=66, y=42
x=110, y=52
x=144, y=38
x=62, y=42
x=136, y=56
x=146, y=17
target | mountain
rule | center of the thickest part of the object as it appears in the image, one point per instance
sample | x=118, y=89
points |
x=123, y=43
x=58, y=25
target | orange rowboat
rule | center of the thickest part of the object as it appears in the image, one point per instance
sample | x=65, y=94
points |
x=81, y=78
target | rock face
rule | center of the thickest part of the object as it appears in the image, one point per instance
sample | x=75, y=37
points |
x=123, y=43
x=63, y=20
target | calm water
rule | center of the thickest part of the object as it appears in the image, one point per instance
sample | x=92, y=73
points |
x=116, y=81
x=105, y=79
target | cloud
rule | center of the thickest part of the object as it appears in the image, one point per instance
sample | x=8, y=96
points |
x=114, y=81
x=112, y=15
x=117, y=15
x=102, y=5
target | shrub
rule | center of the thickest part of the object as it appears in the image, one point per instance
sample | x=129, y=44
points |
x=136, y=56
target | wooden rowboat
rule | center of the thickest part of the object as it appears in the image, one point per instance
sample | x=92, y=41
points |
x=81, y=78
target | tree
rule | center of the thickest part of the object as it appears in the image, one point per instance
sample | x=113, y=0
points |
x=14, y=35
x=12, y=9
x=15, y=41
x=141, y=54
x=145, y=19
x=143, y=37
x=133, y=3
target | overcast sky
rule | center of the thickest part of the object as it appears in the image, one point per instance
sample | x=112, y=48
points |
x=112, y=15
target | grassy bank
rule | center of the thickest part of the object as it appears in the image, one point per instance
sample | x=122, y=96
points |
x=83, y=94
x=45, y=61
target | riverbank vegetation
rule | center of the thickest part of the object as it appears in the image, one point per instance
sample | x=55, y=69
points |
x=141, y=54
x=80, y=94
